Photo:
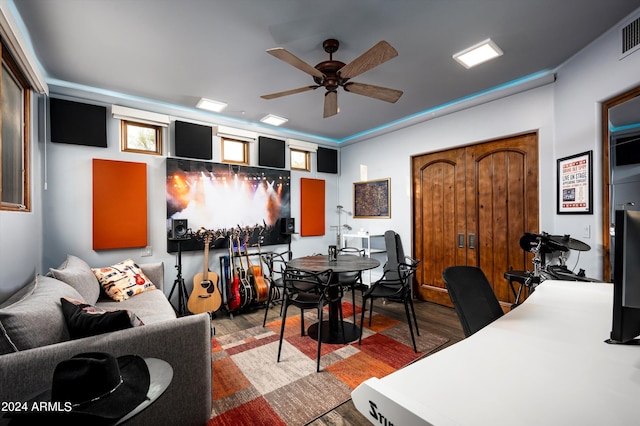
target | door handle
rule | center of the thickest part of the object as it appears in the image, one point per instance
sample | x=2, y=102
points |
x=472, y=241
x=460, y=240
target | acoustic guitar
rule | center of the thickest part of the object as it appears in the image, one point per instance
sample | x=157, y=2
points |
x=235, y=300
x=260, y=285
x=205, y=296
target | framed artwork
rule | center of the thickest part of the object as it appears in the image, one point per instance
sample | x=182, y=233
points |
x=575, y=184
x=372, y=199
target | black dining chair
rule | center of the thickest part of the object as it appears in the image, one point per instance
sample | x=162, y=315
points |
x=306, y=290
x=472, y=296
x=351, y=281
x=276, y=264
x=394, y=287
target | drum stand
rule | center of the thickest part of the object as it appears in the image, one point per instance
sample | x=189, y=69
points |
x=526, y=278
x=179, y=283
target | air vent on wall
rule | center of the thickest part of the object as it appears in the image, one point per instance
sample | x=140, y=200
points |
x=630, y=35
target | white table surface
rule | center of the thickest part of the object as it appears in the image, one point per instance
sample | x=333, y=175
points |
x=544, y=363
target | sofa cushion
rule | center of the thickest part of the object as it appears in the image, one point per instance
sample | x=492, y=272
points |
x=37, y=319
x=150, y=306
x=123, y=280
x=87, y=320
x=78, y=274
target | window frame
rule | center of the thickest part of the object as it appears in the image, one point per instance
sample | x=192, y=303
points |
x=245, y=151
x=19, y=76
x=307, y=159
x=124, y=140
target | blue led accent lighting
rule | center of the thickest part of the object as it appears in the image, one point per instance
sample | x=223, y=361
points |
x=111, y=93
x=623, y=128
x=507, y=85
x=391, y=124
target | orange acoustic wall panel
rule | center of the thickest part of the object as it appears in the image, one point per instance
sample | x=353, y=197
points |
x=119, y=204
x=311, y=207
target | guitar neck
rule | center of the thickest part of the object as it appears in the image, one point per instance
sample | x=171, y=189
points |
x=240, y=256
x=205, y=271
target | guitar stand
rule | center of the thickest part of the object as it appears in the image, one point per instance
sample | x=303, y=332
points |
x=179, y=283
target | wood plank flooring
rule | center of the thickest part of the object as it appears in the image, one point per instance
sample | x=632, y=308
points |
x=433, y=318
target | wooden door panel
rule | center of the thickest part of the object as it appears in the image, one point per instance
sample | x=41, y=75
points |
x=488, y=192
x=496, y=226
x=504, y=174
x=438, y=180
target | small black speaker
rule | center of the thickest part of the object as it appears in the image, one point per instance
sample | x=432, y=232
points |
x=287, y=225
x=179, y=229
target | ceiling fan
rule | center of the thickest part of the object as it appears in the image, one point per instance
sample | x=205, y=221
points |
x=333, y=74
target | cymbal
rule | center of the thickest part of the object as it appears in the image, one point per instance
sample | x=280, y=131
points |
x=569, y=242
x=529, y=241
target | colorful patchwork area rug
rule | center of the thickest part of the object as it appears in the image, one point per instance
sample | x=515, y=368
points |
x=251, y=388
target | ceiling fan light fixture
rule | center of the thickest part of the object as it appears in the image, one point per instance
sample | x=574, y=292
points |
x=211, y=105
x=478, y=54
x=273, y=120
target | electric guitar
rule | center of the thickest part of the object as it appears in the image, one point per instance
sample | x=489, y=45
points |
x=246, y=289
x=235, y=300
x=205, y=296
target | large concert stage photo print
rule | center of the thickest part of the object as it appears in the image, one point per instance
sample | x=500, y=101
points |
x=224, y=198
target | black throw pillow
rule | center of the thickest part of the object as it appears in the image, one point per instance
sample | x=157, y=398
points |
x=82, y=323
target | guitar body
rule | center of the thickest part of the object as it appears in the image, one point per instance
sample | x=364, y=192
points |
x=206, y=296
x=246, y=289
x=261, y=286
x=235, y=300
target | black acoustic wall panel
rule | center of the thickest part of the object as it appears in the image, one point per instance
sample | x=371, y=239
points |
x=627, y=150
x=77, y=123
x=271, y=152
x=193, y=140
x=327, y=160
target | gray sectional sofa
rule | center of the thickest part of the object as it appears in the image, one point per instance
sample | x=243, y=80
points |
x=34, y=338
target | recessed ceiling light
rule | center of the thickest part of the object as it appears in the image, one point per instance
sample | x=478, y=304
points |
x=478, y=54
x=211, y=105
x=274, y=120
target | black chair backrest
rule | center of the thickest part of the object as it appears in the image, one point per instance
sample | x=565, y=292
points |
x=401, y=279
x=297, y=281
x=473, y=298
x=407, y=268
x=276, y=263
x=352, y=251
x=395, y=253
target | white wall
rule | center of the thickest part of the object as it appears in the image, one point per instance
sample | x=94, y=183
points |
x=389, y=155
x=584, y=82
x=68, y=203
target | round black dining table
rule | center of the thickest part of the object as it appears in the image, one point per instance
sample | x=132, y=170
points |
x=332, y=329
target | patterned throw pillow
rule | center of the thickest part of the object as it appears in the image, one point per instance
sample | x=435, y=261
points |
x=87, y=320
x=123, y=280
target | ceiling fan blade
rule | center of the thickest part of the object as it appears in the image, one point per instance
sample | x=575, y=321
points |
x=330, y=103
x=289, y=92
x=378, y=54
x=377, y=92
x=291, y=59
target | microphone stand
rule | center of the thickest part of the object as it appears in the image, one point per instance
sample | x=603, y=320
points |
x=179, y=283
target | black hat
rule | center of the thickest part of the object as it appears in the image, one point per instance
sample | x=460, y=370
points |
x=98, y=387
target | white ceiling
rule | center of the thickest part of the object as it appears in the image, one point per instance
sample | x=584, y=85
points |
x=176, y=51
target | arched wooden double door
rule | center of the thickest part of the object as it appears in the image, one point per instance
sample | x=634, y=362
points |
x=471, y=207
